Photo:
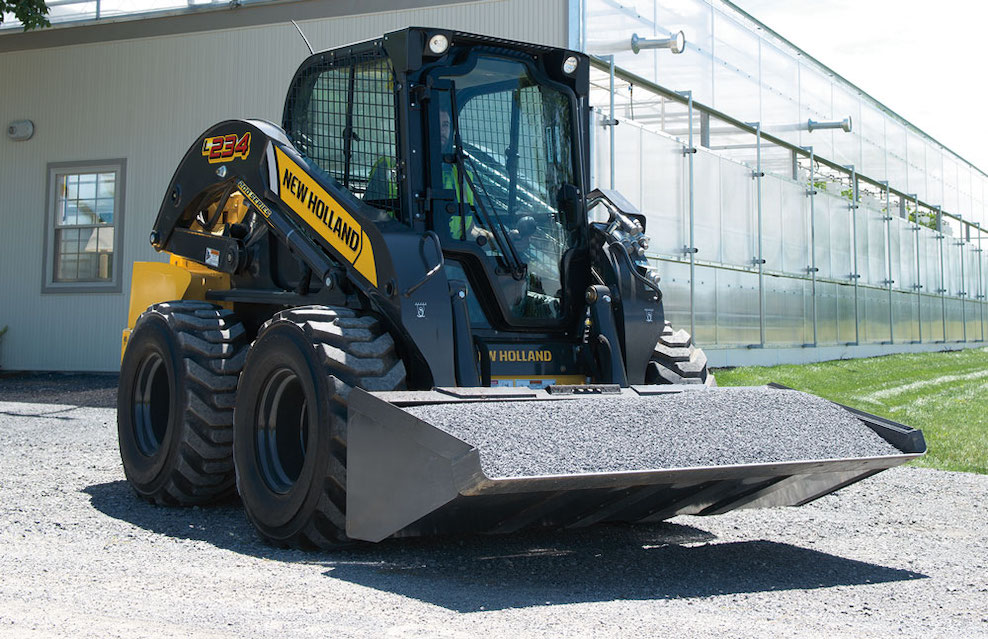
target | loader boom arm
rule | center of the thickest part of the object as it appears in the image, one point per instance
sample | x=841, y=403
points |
x=346, y=246
x=323, y=223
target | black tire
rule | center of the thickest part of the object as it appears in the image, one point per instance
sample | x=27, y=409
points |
x=676, y=360
x=291, y=416
x=178, y=382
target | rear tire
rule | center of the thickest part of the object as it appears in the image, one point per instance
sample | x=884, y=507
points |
x=178, y=380
x=290, y=420
x=676, y=360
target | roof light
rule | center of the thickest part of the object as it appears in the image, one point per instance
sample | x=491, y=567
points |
x=438, y=44
x=570, y=64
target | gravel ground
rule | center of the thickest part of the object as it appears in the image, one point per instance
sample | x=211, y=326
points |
x=902, y=554
x=721, y=427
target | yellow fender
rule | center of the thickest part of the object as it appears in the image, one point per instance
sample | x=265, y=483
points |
x=180, y=279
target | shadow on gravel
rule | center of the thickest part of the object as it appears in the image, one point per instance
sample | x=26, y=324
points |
x=604, y=564
x=60, y=413
x=223, y=525
x=475, y=573
x=94, y=390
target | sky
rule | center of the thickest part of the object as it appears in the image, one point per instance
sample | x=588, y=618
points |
x=923, y=60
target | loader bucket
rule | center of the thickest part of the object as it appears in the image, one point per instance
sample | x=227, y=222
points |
x=503, y=459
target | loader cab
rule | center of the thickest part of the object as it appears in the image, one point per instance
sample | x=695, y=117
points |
x=481, y=142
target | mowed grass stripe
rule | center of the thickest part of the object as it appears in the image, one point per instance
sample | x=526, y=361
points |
x=944, y=394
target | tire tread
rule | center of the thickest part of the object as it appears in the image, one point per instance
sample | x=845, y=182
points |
x=355, y=351
x=213, y=349
x=675, y=360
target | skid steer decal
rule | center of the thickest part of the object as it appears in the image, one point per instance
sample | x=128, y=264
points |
x=256, y=201
x=223, y=148
x=521, y=355
x=325, y=215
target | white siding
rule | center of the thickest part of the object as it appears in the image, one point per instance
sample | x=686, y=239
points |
x=145, y=100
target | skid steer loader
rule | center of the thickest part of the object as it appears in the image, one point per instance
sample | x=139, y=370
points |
x=404, y=312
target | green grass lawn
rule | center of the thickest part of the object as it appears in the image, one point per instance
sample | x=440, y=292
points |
x=944, y=394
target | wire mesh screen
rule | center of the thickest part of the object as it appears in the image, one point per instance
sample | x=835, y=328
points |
x=342, y=118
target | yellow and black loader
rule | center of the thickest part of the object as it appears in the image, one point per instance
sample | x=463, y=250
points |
x=419, y=234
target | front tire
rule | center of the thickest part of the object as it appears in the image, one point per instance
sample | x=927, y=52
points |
x=290, y=420
x=178, y=380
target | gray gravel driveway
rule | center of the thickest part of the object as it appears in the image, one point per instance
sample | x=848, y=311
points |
x=902, y=554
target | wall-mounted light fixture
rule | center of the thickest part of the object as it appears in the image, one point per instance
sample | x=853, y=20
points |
x=676, y=43
x=20, y=130
x=844, y=125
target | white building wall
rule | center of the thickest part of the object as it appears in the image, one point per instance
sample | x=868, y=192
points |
x=146, y=100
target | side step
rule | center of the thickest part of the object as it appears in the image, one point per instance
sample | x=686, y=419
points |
x=503, y=459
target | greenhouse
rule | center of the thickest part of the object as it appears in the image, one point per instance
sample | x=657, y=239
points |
x=787, y=208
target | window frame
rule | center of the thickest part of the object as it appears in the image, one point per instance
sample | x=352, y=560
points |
x=56, y=169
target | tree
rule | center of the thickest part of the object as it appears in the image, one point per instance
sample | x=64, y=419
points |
x=31, y=13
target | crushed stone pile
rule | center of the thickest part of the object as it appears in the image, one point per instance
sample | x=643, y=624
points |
x=725, y=426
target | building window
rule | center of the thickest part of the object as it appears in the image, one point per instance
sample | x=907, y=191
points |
x=83, y=226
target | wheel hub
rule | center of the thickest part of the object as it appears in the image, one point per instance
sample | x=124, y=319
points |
x=282, y=430
x=152, y=395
